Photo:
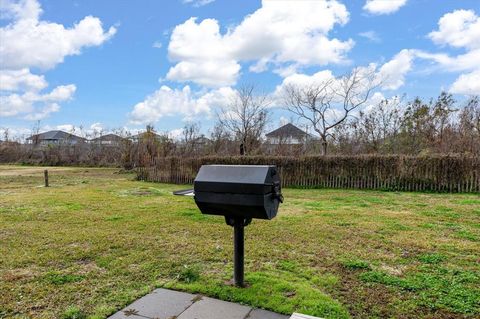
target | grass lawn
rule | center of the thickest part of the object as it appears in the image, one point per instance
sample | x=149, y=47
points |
x=96, y=240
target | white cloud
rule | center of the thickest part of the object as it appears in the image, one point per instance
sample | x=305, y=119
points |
x=198, y=3
x=168, y=102
x=209, y=73
x=370, y=35
x=460, y=29
x=373, y=101
x=392, y=73
x=21, y=10
x=286, y=70
x=60, y=93
x=13, y=80
x=43, y=112
x=468, y=83
x=11, y=105
x=461, y=62
x=389, y=76
x=157, y=44
x=307, y=80
x=27, y=42
x=70, y=128
x=88, y=132
x=15, y=133
x=50, y=41
x=383, y=6
x=283, y=121
x=292, y=33
x=299, y=80
x=176, y=134
x=33, y=105
x=96, y=128
x=376, y=98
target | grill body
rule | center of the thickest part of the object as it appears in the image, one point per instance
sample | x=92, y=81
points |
x=238, y=191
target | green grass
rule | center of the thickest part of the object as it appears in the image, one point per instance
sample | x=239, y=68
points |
x=356, y=264
x=96, y=240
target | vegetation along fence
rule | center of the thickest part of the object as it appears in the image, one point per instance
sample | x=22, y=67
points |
x=406, y=173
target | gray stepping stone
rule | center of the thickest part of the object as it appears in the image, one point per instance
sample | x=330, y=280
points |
x=160, y=304
x=209, y=308
x=263, y=314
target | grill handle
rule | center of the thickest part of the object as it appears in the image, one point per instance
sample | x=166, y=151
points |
x=277, y=191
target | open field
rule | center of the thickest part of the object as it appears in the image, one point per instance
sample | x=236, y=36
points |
x=96, y=240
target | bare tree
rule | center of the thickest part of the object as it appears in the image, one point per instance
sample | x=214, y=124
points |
x=378, y=129
x=327, y=104
x=245, y=117
x=469, y=126
x=190, y=135
x=221, y=141
x=6, y=134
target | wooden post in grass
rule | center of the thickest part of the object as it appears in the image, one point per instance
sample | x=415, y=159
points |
x=45, y=173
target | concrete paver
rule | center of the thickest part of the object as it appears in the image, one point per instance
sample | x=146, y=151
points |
x=208, y=308
x=167, y=304
x=160, y=304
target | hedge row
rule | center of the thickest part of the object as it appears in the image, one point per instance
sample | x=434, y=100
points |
x=406, y=173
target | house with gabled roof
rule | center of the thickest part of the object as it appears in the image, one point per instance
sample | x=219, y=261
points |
x=288, y=134
x=55, y=137
x=108, y=140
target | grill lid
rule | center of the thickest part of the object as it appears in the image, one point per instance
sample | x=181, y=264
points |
x=238, y=179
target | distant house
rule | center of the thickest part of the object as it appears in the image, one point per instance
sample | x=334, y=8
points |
x=288, y=134
x=145, y=136
x=200, y=143
x=202, y=140
x=108, y=140
x=55, y=138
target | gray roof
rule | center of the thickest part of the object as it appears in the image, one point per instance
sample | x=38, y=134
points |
x=145, y=134
x=202, y=139
x=288, y=130
x=108, y=137
x=55, y=135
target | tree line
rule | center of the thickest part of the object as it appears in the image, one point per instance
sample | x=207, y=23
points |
x=338, y=109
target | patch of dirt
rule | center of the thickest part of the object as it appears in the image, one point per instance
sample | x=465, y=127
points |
x=140, y=192
x=89, y=266
x=363, y=301
x=18, y=274
x=28, y=171
x=378, y=301
x=396, y=271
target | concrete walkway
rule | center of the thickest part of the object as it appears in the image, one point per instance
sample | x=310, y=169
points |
x=169, y=304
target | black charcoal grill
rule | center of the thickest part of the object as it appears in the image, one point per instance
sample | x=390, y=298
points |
x=239, y=193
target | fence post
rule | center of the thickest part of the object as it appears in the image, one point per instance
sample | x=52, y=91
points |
x=45, y=175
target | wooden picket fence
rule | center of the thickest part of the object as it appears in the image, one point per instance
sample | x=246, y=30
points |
x=402, y=173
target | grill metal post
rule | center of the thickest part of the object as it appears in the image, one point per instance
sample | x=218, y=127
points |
x=238, y=247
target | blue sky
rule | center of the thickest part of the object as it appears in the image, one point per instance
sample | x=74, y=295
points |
x=124, y=64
